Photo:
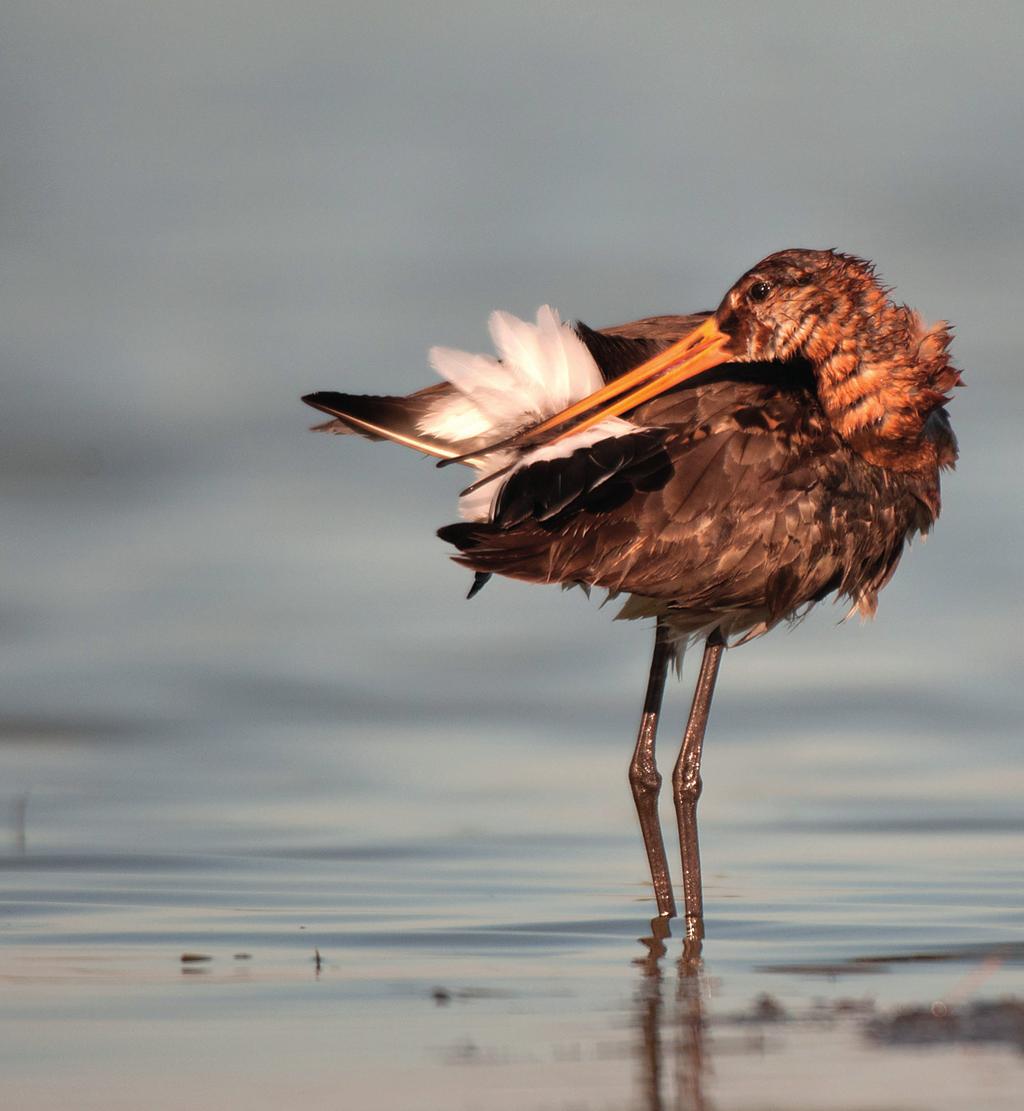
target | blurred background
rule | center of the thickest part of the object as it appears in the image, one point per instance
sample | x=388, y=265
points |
x=209, y=210
x=222, y=634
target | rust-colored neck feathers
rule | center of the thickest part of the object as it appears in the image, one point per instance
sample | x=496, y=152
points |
x=883, y=377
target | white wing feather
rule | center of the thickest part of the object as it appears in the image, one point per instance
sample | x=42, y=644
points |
x=543, y=368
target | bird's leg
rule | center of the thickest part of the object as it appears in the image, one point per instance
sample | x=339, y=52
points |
x=686, y=785
x=645, y=779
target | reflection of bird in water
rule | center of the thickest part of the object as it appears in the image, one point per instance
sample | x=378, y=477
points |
x=682, y=1026
x=724, y=470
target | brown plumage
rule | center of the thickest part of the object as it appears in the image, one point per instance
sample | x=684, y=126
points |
x=786, y=447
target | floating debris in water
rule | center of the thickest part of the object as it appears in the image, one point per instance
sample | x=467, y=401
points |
x=1000, y=1021
x=768, y=1009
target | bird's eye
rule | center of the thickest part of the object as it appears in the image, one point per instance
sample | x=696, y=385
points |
x=759, y=291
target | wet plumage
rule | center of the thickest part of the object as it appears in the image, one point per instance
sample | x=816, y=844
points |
x=739, y=506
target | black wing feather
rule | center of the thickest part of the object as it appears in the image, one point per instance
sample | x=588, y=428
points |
x=592, y=480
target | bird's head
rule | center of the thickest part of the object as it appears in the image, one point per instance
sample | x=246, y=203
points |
x=798, y=303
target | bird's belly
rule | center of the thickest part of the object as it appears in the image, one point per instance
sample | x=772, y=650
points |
x=688, y=624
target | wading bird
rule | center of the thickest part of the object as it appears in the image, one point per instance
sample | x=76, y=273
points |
x=724, y=470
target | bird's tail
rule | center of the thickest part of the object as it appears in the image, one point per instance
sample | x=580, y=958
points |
x=384, y=418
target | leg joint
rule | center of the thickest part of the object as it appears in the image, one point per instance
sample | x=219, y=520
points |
x=686, y=782
x=644, y=779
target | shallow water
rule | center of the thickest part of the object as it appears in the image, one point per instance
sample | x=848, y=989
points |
x=246, y=715
x=510, y=971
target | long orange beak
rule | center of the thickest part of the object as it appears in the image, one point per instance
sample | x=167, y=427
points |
x=700, y=350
